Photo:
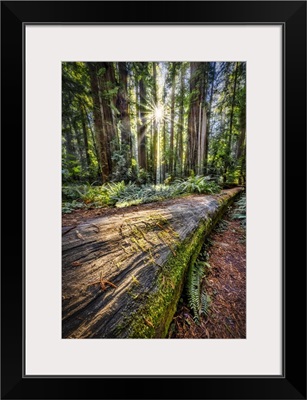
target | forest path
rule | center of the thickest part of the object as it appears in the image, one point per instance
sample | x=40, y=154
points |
x=224, y=282
x=123, y=272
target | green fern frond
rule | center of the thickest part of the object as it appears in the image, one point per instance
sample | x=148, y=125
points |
x=205, y=303
x=195, y=275
x=206, y=264
x=240, y=210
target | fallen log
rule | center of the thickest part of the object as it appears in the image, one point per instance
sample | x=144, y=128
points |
x=122, y=275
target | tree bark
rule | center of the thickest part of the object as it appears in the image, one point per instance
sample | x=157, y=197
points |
x=101, y=137
x=155, y=130
x=241, y=144
x=181, y=123
x=123, y=108
x=164, y=159
x=89, y=124
x=171, y=144
x=192, y=153
x=142, y=128
x=70, y=150
x=229, y=144
x=107, y=82
x=203, y=135
x=85, y=137
x=209, y=120
x=79, y=142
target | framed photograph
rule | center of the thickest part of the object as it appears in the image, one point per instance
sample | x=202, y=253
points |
x=161, y=161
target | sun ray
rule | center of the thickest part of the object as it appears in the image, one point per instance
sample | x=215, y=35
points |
x=159, y=113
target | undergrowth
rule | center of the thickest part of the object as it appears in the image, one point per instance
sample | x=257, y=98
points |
x=121, y=194
x=198, y=300
x=240, y=210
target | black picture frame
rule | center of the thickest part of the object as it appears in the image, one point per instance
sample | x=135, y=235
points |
x=292, y=16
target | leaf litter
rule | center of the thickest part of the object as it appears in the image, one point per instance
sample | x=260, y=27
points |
x=225, y=283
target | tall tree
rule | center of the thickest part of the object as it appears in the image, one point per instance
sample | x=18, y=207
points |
x=241, y=143
x=192, y=119
x=98, y=112
x=211, y=74
x=142, y=128
x=155, y=122
x=85, y=135
x=172, y=127
x=179, y=141
x=80, y=144
x=197, y=117
x=108, y=91
x=123, y=108
x=231, y=120
x=164, y=158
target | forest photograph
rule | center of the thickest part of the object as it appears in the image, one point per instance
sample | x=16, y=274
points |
x=154, y=200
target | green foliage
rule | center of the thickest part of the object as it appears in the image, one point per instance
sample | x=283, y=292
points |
x=96, y=196
x=69, y=207
x=240, y=210
x=86, y=193
x=205, y=303
x=119, y=190
x=197, y=184
x=132, y=194
x=121, y=194
x=220, y=86
x=198, y=300
x=70, y=193
x=232, y=176
x=84, y=196
x=121, y=170
x=79, y=158
x=222, y=226
x=143, y=177
x=138, y=175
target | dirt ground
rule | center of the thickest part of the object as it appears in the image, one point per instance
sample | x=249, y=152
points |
x=225, y=283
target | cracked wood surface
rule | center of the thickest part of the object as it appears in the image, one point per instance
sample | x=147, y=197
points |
x=110, y=264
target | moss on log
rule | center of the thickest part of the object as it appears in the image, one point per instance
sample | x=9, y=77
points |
x=122, y=276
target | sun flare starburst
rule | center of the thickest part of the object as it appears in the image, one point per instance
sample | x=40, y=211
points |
x=158, y=113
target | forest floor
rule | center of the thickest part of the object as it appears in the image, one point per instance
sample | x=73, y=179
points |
x=225, y=283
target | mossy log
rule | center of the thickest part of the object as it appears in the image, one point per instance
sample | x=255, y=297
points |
x=122, y=275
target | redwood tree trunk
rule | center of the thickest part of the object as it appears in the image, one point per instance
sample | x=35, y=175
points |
x=171, y=144
x=229, y=144
x=85, y=138
x=209, y=120
x=142, y=128
x=155, y=130
x=101, y=137
x=181, y=123
x=123, y=108
x=107, y=83
x=193, y=119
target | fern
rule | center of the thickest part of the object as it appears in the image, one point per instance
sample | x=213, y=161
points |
x=195, y=298
x=197, y=184
x=205, y=303
x=240, y=210
x=222, y=225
